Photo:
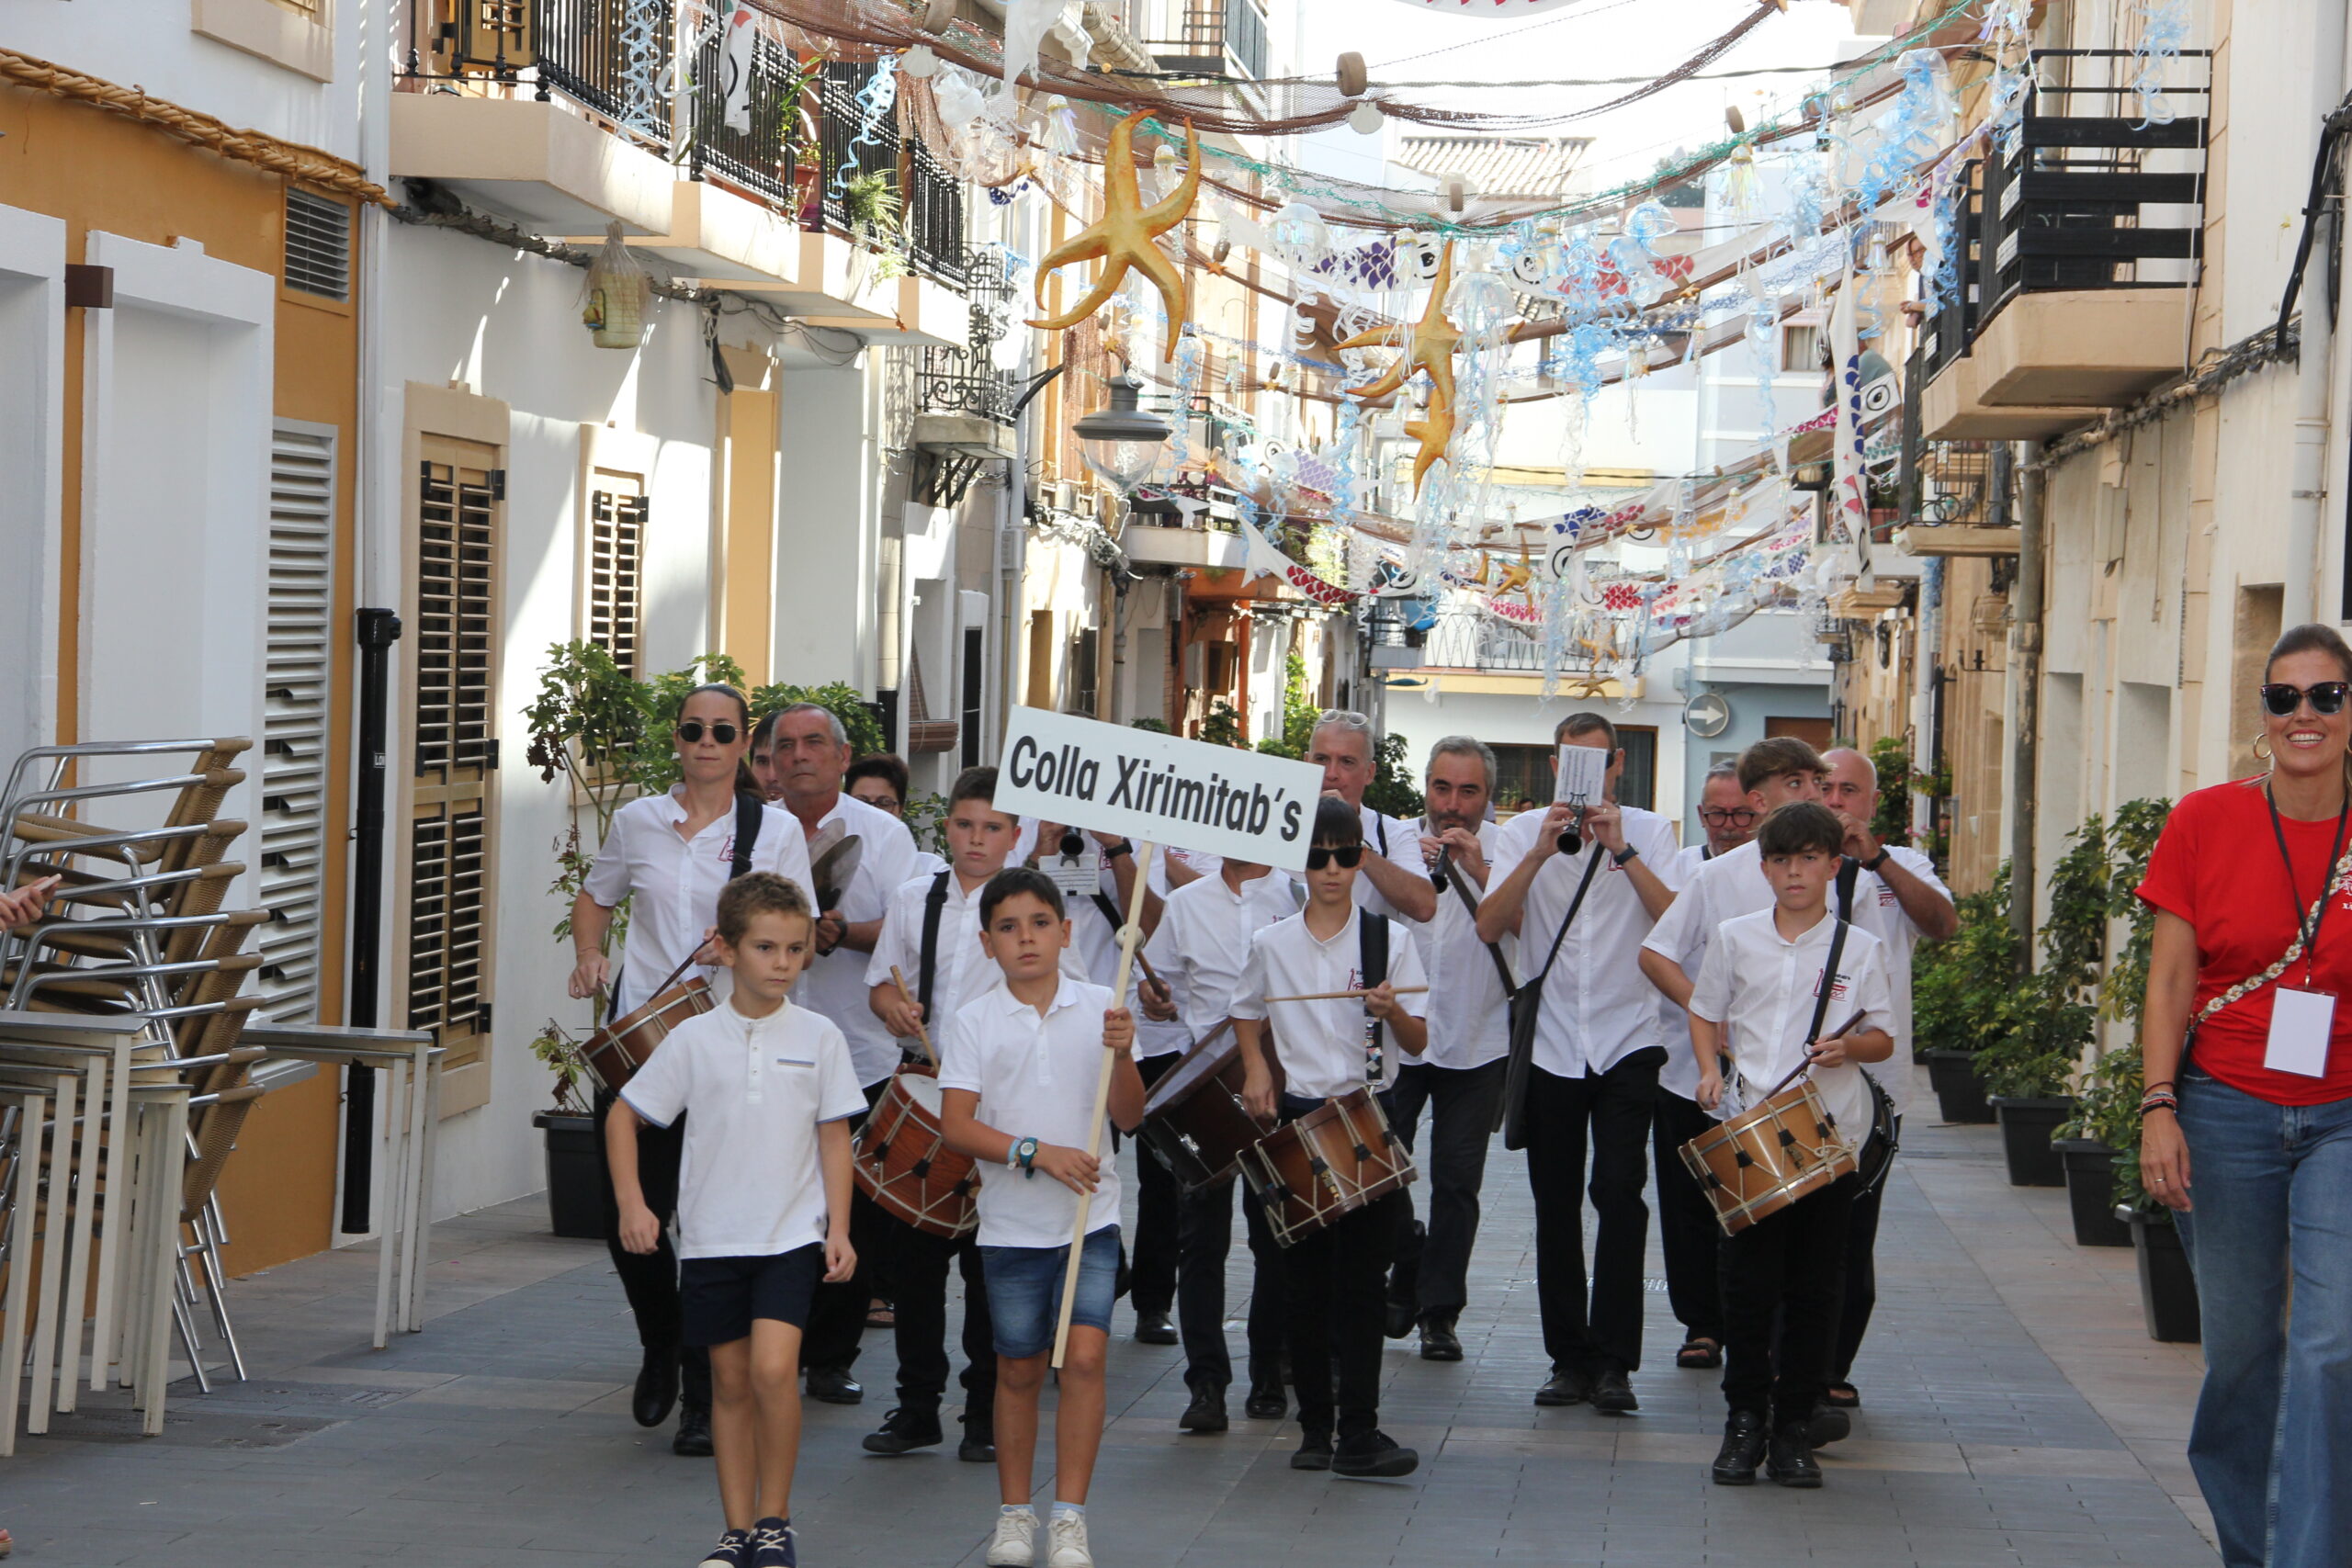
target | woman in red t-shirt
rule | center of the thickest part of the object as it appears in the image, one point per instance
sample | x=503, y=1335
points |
x=2246, y=1130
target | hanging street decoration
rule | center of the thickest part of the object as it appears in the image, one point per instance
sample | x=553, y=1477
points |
x=1428, y=346
x=1126, y=237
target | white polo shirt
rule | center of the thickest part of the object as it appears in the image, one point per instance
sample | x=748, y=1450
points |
x=1680, y=1073
x=1036, y=1076
x=1762, y=988
x=1598, y=1008
x=963, y=970
x=1320, y=1045
x=1154, y=1038
x=1202, y=944
x=672, y=884
x=1396, y=842
x=835, y=984
x=1469, y=1008
x=749, y=1183
x=1734, y=882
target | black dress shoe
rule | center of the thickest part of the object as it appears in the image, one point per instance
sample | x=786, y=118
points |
x=1829, y=1424
x=1376, y=1455
x=1439, y=1342
x=903, y=1431
x=1612, y=1393
x=977, y=1446
x=1206, y=1413
x=1153, y=1328
x=1790, y=1460
x=833, y=1385
x=693, y=1440
x=657, y=1388
x=1400, y=1319
x=1314, y=1452
x=1268, y=1403
x=1743, y=1450
x=1571, y=1387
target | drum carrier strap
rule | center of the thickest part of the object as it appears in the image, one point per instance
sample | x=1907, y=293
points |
x=1371, y=961
x=748, y=810
x=933, y=903
x=1828, y=980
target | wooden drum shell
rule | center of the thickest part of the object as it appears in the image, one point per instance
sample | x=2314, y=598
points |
x=902, y=1161
x=616, y=1052
x=1767, y=1157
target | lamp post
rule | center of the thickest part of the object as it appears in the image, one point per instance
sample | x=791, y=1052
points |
x=1122, y=443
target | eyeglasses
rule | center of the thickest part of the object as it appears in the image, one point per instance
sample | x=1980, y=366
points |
x=1735, y=816
x=690, y=732
x=1321, y=856
x=2326, y=697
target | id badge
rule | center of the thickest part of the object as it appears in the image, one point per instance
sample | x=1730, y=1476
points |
x=2300, y=1023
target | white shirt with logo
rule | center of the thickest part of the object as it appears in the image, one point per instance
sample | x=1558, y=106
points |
x=1469, y=1010
x=962, y=970
x=1035, y=1075
x=1761, y=987
x=1322, y=1044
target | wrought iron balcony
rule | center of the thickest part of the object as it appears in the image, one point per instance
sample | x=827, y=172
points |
x=1473, y=641
x=1219, y=38
x=759, y=155
x=611, y=55
x=956, y=381
x=930, y=222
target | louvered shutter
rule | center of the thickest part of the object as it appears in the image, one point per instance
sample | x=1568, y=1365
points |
x=298, y=662
x=616, y=521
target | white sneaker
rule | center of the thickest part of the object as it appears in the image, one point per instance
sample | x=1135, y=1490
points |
x=1014, y=1545
x=1070, y=1543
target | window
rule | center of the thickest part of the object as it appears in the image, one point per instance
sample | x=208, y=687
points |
x=617, y=517
x=1083, y=652
x=974, y=672
x=318, y=245
x=1800, y=350
x=299, y=663
x=1814, y=732
x=1523, y=773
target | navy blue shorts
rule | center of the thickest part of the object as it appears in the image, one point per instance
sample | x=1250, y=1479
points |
x=719, y=1297
x=1025, y=1290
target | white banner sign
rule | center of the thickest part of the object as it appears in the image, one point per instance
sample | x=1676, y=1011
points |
x=1143, y=785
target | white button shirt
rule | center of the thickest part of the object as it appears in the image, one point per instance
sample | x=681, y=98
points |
x=835, y=984
x=963, y=970
x=1202, y=944
x=1154, y=1038
x=749, y=1184
x=1320, y=1045
x=672, y=884
x=1402, y=842
x=1598, y=1008
x=1470, y=1009
x=1761, y=987
x=1036, y=1076
x=1680, y=1073
x=1733, y=883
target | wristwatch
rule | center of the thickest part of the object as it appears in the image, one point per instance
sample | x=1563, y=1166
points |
x=1024, y=1152
x=1112, y=852
x=1877, y=860
x=1628, y=853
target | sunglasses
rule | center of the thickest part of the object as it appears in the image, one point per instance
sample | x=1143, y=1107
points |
x=2326, y=697
x=690, y=732
x=1738, y=817
x=1319, y=856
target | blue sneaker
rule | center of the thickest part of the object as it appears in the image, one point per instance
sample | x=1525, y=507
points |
x=733, y=1551
x=771, y=1544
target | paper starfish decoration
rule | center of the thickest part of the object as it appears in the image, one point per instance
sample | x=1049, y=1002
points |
x=1122, y=239
x=1428, y=345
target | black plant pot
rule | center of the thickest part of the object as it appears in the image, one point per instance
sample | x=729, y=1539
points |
x=2167, y=1290
x=2090, y=1193
x=2026, y=1127
x=575, y=1174
x=1959, y=1093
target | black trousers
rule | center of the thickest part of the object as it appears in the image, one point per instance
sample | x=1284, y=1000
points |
x=1610, y=1111
x=1337, y=1279
x=837, y=1313
x=1859, y=1298
x=1687, y=1229
x=1203, y=1240
x=1153, y=1261
x=1786, y=1266
x=650, y=1280
x=916, y=1264
x=1433, y=1260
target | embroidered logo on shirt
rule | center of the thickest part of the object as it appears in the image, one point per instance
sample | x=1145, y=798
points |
x=1837, y=988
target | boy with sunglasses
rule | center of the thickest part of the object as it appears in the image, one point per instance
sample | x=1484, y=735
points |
x=1337, y=1276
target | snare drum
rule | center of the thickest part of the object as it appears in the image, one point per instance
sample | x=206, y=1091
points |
x=615, y=1051
x=1337, y=1158
x=902, y=1161
x=1769, y=1155
x=1194, y=1119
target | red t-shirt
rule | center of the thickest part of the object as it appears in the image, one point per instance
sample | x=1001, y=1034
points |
x=2216, y=865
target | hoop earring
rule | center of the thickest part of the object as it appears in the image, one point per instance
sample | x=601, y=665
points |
x=2262, y=748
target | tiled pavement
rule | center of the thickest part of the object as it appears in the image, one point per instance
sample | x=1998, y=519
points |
x=499, y=1435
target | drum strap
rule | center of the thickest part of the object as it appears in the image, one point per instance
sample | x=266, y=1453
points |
x=748, y=812
x=933, y=902
x=1110, y=911
x=1828, y=980
x=1535, y=981
x=1849, y=870
x=1371, y=960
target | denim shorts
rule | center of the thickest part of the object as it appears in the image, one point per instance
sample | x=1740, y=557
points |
x=1025, y=1290
x=719, y=1297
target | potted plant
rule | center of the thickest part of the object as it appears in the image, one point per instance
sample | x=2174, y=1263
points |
x=1958, y=988
x=2051, y=1016
x=2167, y=1287
x=575, y=1164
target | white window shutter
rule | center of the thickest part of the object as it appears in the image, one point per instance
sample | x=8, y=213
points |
x=300, y=660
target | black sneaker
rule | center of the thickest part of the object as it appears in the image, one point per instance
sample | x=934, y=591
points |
x=1153, y=1328
x=903, y=1431
x=1205, y=1415
x=733, y=1551
x=1267, y=1402
x=1314, y=1452
x=771, y=1544
x=833, y=1385
x=1439, y=1342
x=1790, y=1461
x=1829, y=1424
x=692, y=1438
x=1571, y=1387
x=1743, y=1450
x=977, y=1446
x=1375, y=1454
x=1612, y=1392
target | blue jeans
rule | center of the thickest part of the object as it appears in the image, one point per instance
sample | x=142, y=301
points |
x=1025, y=1290
x=2272, y=1439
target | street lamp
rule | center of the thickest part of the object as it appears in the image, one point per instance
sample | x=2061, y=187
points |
x=1122, y=443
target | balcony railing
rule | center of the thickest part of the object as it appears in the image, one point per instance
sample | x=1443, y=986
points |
x=956, y=381
x=930, y=206
x=1474, y=642
x=759, y=156
x=611, y=55
x=1220, y=37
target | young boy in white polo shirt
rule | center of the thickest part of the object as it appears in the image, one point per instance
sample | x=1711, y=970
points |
x=763, y=1198
x=1019, y=1070
x=1779, y=988
x=1338, y=1275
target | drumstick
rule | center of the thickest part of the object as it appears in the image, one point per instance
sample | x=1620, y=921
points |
x=1130, y=941
x=613, y=1006
x=1803, y=1066
x=920, y=1032
x=1344, y=996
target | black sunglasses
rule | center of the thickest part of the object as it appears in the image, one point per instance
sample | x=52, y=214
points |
x=2327, y=696
x=690, y=732
x=1319, y=856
